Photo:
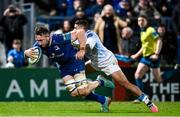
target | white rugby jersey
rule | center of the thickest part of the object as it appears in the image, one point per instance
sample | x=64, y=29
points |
x=99, y=55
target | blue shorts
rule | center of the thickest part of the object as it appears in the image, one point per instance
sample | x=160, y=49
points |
x=150, y=63
x=72, y=67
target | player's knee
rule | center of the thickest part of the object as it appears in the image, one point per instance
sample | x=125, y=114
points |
x=80, y=91
x=83, y=90
x=74, y=93
x=137, y=75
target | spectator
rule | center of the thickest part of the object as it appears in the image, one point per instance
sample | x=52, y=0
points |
x=123, y=8
x=169, y=44
x=16, y=55
x=129, y=43
x=65, y=28
x=96, y=8
x=62, y=7
x=80, y=14
x=71, y=11
x=89, y=3
x=108, y=28
x=176, y=26
x=145, y=8
x=2, y=55
x=49, y=7
x=164, y=7
x=12, y=21
x=95, y=18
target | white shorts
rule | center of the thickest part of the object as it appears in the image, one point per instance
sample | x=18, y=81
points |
x=110, y=67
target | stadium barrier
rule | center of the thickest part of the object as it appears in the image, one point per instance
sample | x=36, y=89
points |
x=37, y=84
x=44, y=84
x=168, y=90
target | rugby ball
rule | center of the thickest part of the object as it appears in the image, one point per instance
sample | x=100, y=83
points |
x=37, y=57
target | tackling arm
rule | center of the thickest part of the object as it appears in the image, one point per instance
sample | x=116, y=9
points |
x=82, y=43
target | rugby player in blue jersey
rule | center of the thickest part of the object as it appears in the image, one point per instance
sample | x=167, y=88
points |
x=58, y=48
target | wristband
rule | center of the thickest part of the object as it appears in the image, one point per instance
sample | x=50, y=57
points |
x=156, y=54
x=82, y=48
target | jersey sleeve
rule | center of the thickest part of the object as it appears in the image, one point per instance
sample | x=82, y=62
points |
x=61, y=38
x=90, y=40
x=10, y=53
x=153, y=33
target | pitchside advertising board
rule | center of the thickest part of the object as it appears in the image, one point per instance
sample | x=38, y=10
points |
x=36, y=85
x=45, y=85
x=168, y=90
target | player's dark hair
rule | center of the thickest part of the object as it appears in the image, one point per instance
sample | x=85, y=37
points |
x=145, y=17
x=83, y=23
x=41, y=30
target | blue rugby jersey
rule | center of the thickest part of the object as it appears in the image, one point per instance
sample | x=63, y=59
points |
x=18, y=57
x=63, y=53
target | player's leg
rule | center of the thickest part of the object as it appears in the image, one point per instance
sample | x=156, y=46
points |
x=157, y=74
x=155, y=68
x=84, y=89
x=70, y=84
x=116, y=73
x=122, y=80
x=77, y=85
x=103, y=100
x=140, y=71
x=83, y=86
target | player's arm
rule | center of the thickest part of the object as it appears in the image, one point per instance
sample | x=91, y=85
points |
x=139, y=53
x=158, y=49
x=82, y=43
x=158, y=46
x=155, y=36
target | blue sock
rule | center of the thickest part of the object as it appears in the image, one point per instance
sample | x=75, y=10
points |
x=139, y=83
x=145, y=99
x=141, y=97
x=101, y=82
x=96, y=97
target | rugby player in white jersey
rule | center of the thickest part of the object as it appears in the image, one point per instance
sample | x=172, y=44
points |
x=104, y=60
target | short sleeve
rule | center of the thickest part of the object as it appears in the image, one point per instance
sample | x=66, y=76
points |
x=153, y=33
x=90, y=40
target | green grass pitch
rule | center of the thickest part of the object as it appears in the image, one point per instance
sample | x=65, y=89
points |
x=91, y=109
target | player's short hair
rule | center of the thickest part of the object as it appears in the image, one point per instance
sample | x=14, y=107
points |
x=143, y=16
x=82, y=22
x=41, y=30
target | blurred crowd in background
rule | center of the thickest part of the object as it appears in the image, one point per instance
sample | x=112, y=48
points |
x=115, y=21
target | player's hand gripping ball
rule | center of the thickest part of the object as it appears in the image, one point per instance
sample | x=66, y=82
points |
x=36, y=57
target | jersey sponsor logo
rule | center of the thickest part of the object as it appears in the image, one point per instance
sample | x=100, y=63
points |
x=155, y=34
x=89, y=35
x=56, y=47
x=53, y=55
